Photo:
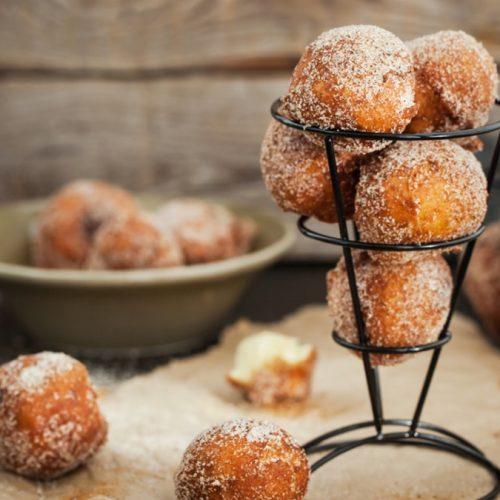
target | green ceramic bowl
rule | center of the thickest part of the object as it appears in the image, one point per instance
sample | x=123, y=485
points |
x=157, y=311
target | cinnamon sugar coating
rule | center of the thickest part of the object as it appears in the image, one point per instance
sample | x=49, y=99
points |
x=402, y=305
x=206, y=231
x=243, y=459
x=482, y=282
x=354, y=78
x=296, y=174
x=50, y=421
x=133, y=242
x=456, y=80
x=64, y=230
x=419, y=192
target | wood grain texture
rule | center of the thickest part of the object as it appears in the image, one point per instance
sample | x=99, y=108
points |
x=168, y=34
x=192, y=134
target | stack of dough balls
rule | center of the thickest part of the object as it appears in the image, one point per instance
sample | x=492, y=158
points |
x=243, y=459
x=363, y=78
x=93, y=225
x=50, y=421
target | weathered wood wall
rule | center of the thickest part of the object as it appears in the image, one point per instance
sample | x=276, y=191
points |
x=165, y=92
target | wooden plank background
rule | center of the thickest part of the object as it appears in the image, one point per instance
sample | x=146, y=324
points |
x=169, y=94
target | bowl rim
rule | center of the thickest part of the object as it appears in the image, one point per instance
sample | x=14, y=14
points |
x=19, y=273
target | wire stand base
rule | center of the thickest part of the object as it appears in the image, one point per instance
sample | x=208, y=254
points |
x=426, y=435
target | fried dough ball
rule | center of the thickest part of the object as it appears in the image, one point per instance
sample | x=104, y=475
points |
x=64, y=230
x=271, y=368
x=482, y=282
x=133, y=242
x=296, y=173
x=243, y=459
x=456, y=81
x=419, y=192
x=50, y=421
x=206, y=231
x=354, y=78
x=402, y=305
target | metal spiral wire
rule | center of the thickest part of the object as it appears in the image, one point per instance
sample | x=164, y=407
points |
x=415, y=432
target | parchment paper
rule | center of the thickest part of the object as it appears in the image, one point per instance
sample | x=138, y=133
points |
x=153, y=418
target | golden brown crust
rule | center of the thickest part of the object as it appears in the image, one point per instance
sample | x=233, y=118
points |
x=354, y=78
x=297, y=175
x=419, y=192
x=133, y=242
x=278, y=382
x=64, y=230
x=456, y=82
x=206, y=231
x=402, y=305
x=50, y=422
x=243, y=459
x=482, y=283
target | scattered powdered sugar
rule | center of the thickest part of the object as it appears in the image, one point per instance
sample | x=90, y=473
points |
x=417, y=192
x=252, y=430
x=402, y=305
x=356, y=78
x=296, y=173
x=461, y=72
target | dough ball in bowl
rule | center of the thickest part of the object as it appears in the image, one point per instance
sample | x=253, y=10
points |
x=206, y=231
x=133, y=242
x=63, y=232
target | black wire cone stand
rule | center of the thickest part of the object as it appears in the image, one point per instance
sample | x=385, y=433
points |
x=413, y=432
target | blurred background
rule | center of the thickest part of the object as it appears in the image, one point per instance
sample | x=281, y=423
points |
x=173, y=97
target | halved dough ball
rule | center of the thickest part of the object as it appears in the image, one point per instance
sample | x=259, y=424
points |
x=271, y=368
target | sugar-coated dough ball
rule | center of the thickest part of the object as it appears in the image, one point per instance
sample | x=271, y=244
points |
x=271, y=368
x=296, y=173
x=63, y=232
x=354, y=78
x=482, y=282
x=402, y=305
x=206, y=231
x=50, y=421
x=419, y=192
x=245, y=460
x=456, y=80
x=133, y=242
